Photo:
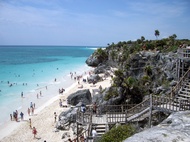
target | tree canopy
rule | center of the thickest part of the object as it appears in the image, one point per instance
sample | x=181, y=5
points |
x=157, y=33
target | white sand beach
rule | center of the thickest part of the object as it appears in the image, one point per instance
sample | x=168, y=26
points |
x=43, y=119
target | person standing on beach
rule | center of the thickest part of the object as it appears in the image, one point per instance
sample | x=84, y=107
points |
x=55, y=116
x=31, y=105
x=29, y=111
x=21, y=94
x=16, y=115
x=34, y=131
x=30, y=123
x=22, y=115
x=60, y=103
x=32, y=110
x=11, y=116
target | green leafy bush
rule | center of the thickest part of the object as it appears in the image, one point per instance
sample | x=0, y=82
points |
x=118, y=134
x=111, y=93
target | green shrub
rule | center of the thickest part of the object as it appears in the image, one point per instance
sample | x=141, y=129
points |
x=118, y=134
x=111, y=93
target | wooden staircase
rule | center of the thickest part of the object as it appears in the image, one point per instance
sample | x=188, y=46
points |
x=178, y=100
x=100, y=129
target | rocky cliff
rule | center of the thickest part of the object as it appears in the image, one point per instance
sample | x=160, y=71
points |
x=176, y=128
x=139, y=73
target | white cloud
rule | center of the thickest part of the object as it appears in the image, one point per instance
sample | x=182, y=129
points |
x=62, y=21
x=159, y=8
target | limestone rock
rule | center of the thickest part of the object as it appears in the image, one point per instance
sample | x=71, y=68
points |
x=93, y=61
x=93, y=78
x=176, y=128
x=83, y=96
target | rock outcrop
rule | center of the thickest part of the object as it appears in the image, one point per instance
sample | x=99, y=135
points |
x=176, y=128
x=154, y=71
x=66, y=118
x=93, y=61
x=83, y=96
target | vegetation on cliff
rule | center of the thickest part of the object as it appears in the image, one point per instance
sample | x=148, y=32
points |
x=144, y=67
x=118, y=134
x=138, y=75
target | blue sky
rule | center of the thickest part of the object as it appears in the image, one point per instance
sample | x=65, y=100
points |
x=90, y=22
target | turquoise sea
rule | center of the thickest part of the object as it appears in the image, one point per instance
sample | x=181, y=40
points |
x=28, y=68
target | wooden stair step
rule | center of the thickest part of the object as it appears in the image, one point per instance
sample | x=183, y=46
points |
x=186, y=89
x=183, y=96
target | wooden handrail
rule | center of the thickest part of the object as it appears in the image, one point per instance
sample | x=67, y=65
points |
x=79, y=135
x=179, y=84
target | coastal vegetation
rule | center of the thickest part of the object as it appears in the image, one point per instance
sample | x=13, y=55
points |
x=118, y=133
x=122, y=55
x=142, y=67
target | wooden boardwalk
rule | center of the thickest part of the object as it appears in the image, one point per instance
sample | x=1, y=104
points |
x=99, y=119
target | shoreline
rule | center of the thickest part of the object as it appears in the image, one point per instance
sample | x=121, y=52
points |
x=10, y=97
x=9, y=126
x=43, y=119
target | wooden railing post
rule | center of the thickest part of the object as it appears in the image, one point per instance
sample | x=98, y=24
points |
x=150, y=111
x=126, y=116
x=179, y=104
x=77, y=132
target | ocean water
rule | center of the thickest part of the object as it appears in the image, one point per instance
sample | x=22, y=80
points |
x=29, y=69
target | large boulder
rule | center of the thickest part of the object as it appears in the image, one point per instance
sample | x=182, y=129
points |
x=101, y=68
x=174, y=129
x=83, y=96
x=94, y=78
x=66, y=118
x=93, y=61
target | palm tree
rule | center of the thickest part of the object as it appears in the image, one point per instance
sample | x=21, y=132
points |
x=157, y=33
x=174, y=36
x=142, y=38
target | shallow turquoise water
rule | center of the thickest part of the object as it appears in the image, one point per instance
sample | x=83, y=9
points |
x=28, y=68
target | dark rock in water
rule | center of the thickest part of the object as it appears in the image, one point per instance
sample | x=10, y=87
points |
x=83, y=96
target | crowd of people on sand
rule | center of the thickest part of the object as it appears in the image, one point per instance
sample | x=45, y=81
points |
x=31, y=108
x=15, y=116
